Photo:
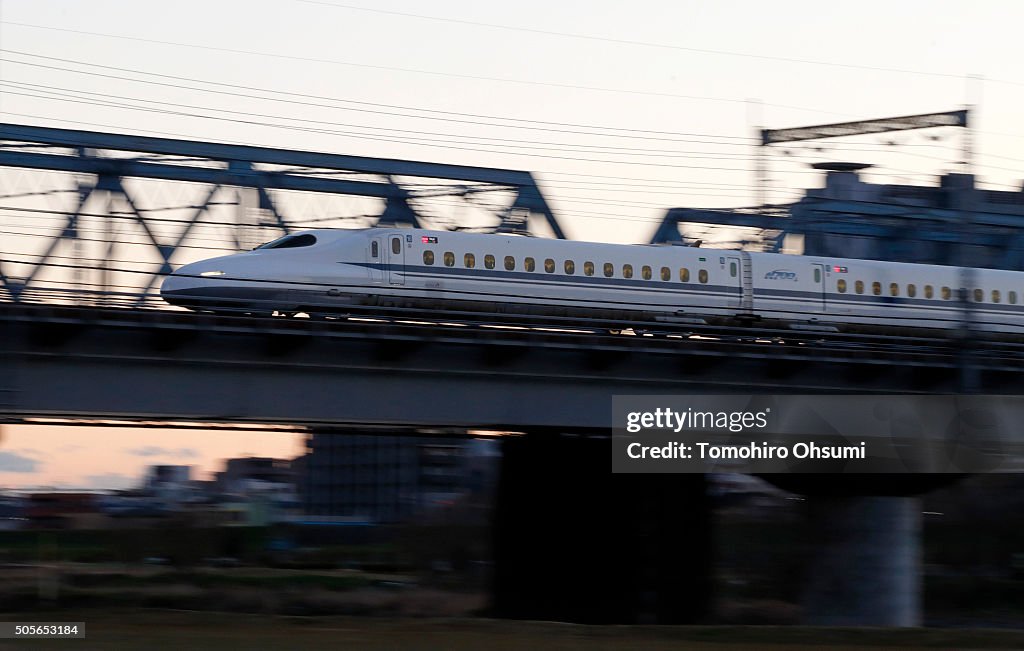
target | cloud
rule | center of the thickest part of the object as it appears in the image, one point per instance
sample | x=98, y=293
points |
x=13, y=462
x=156, y=451
x=110, y=481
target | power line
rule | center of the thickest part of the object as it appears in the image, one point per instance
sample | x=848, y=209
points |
x=436, y=73
x=184, y=135
x=630, y=132
x=419, y=142
x=579, y=145
x=63, y=97
x=649, y=44
x=640, y=150
x=680, y=189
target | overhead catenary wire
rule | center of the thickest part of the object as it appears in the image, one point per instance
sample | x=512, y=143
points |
x=57, y=96
x=649, y=44
x=419, y=134
x=419, y=71
x=106, y=35
x=923, y=156
x=717, y=139
x=681, y=187
x=70, y=96
x=448, y=116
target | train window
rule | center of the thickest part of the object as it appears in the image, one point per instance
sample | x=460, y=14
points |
x=529, y=264
x=428, y=257
x=817, y=274
x=979, y=296
x=684, y=274
x=588, y=268
x=549, y=266
x=859, y=286
x=374, y=249
x=929, y=291
x=570, y=267
x=876, y=288
x=609, y=270
x=1013, y=298
x=911, y=290
x=645, y=271
x=732, y=270
x=946, y=293
x=666, y=274
x=290, y=242
x=702, y=275
x=894, y=289
x=449, y=259
x=469, y=260
x=627, y=271
x=995, y=296
x=841, y=286
x=510, y=263
x=489, y=261
x=396, y=246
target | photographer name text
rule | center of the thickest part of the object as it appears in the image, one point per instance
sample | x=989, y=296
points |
x=716, y=451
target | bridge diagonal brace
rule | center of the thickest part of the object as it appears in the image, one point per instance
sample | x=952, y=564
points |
x=192, y=221
x=68, y=231
x=397, y=211
x=529, y=198
x=267, y=203
x=164, y=250
x=4, y=283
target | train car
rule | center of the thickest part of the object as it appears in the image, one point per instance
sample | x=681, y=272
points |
x=430, y=271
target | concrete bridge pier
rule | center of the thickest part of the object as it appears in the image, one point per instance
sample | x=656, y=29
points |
x=865, y=567
x=864, y=539
x=574, y=542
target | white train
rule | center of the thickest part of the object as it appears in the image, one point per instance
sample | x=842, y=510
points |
x=336, y=270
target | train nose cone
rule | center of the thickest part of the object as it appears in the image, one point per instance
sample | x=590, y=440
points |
x=188, y=280
x=195, y=284
x=172, y=287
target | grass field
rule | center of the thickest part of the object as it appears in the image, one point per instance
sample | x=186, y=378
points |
x=131, y=630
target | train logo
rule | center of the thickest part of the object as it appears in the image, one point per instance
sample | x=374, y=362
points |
x=781, y=274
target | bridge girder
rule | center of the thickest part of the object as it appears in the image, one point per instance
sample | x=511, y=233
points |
x=77, y=362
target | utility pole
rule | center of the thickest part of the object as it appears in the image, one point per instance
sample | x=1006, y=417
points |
x=967, y=380
x=755, y=120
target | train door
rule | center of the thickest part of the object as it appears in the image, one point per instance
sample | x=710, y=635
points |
x=735, y=282
x=746, y=284
x=396, y=260
x=818, y=274
x=375, y=260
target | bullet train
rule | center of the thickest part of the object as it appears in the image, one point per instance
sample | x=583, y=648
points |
x=335, y=271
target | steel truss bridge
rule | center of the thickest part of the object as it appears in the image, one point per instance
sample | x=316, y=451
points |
x=98, y=218
x=91, y=221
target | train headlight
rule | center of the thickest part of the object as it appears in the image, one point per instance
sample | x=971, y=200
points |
x=207, y=274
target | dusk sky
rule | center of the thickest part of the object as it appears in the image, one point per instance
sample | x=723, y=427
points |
x=621, y=109
x=33, y=456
